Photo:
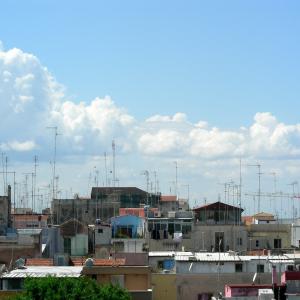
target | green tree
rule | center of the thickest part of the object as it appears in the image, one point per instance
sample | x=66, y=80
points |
x=55, y=288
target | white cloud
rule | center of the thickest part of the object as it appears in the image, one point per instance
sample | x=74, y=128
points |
x=31, y=99
x=18, y=146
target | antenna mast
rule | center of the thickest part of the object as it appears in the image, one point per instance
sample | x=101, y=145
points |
x=176, y=179
x=54, y=128
x=259, y=183
x=34, y=182
x=114, y=162
x=105, y=165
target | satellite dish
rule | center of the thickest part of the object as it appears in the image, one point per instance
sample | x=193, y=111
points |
x=89, y=262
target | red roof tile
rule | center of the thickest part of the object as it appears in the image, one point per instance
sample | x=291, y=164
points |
x=109, y=262
x=39, y=262
x=98, y=262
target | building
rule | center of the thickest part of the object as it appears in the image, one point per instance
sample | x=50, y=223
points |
x=168, y=203
x=22, y=243
x=5, y=212
x=14, y=280
x=218, y=227
x=128, y=234
x=29, y=221
x=170, y=233
x=259, y=218
x=104, y=203
x=139, y=212
x=75, y=237
x=272, y=236
x=136, y=279
x=202, y=275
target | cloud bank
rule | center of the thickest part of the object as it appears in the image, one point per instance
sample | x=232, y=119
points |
x=31, y=99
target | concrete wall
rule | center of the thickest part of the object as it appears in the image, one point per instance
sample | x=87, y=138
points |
x=4, y=214
x=102, y=235
x=171, y=245
x=190, y=286
x=204, y=237
x=79, y=245
x=295, y=235
x=164, y=286
x=267, y=233
x=132, y=278
x=129, y=245
x=190, y=267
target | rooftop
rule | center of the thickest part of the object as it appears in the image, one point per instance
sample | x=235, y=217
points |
x=42, y=271
x=218, y=205
x=168, y=198
x=226, y=256
x=39, y=262
x=100, y=262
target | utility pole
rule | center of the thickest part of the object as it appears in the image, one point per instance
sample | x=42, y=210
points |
x=259, y=183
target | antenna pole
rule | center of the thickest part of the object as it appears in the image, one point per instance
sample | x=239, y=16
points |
x=114, y=162
x=34, y=183
x=54, y=128
x=176, y=179
x=105, y=165
x=259, y=183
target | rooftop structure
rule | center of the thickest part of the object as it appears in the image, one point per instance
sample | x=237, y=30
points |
x=218, y=213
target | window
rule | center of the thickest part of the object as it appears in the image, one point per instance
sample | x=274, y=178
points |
x=100, y=230
x=177, y=227
x=277, y=243
x=290, y=267
x=219, y=241
x=239, y=241
x=260, y=268
x=67, y=245
x=160, y=264
x=257, y=243
x=238, y=267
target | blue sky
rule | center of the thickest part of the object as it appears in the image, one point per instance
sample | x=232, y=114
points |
x=221, y=61
x=200, y=83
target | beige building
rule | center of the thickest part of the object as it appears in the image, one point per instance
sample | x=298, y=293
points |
x=274, y=237
x=136, y=279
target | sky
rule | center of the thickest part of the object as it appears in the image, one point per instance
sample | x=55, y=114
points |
x=204, y=84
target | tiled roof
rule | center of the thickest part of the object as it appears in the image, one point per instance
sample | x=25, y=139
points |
x=100, y=262
x=109, y=262
x=39, y=262
x=78, y=261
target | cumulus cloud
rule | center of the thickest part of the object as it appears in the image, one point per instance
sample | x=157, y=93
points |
x=31, y=99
